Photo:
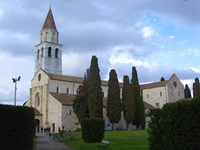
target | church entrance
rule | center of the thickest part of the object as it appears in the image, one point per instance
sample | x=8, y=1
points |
x=37, y=123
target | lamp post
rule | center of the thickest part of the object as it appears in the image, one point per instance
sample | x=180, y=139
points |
x=15, y=81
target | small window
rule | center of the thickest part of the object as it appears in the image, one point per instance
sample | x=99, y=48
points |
x=147, y=96
x=39, y=77
x=49, y=52
x=77, y=92
x=67, y=91
x=42, y=52
x=38, y=54
x=70, y=112
x=175, y=84
x=57, y=89
x=160, y=94
x=56, y=53
x=157, y=105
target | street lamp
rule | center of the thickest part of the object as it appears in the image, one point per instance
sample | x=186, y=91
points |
x=15, y=81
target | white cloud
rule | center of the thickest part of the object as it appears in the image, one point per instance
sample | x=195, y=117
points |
x=147, y=31
x=171, y=37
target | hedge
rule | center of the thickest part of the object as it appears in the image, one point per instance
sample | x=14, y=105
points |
x=17, y=127
x=92, y=129
x=176, y=126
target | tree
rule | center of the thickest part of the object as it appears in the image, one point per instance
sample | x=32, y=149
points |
x=196, y=88
x=139, y=105
x=80, y=105
x=95, y=94
x=114, y=106
x=128, y=104
x=162, y=79
x=187, y=92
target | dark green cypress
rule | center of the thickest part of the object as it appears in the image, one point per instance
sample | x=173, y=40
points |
x=162, y=79
x=128, y=104
x=80, y=105
x=196, y=88
x=187, y=92
x=139, y=105
x=114, y=106
x=95, y=94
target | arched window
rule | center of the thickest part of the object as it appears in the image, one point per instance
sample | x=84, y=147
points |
x=42, y=52
x=160, y=94
x=49, y=52
x=56, y=53
x=37, y=99
x=67, y=91
x=57, y=89
x=38, y=54
x=147, y=96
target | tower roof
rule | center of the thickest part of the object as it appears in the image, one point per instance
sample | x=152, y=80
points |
x=49, y=22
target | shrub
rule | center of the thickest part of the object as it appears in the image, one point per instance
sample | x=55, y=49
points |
x=178, y=124
x=92, y=129
x=17, y=127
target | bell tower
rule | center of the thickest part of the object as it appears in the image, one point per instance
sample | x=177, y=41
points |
x=48, y=53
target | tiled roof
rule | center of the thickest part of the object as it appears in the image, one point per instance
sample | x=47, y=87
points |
x=67, y=99
x=153, y=85
x=49, y=21
x=71, y=79
x=148, y=106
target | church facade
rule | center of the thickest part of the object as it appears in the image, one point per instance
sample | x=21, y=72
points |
x=52, y=94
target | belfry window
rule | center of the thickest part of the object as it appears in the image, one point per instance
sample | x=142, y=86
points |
x=49, y=52
x=56, y=53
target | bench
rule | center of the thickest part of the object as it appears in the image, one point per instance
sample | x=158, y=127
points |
x=104, y=144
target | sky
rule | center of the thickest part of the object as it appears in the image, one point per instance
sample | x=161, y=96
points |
x=158, y=37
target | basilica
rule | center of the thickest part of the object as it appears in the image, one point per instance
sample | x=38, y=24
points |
x=52, y=93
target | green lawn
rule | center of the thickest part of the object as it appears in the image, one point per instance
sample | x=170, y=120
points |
x=122, y=140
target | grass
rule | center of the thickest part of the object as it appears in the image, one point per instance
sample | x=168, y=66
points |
x=119, y=140
x=34, y=143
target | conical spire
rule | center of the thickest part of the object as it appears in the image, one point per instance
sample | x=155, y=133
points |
x=49, y=22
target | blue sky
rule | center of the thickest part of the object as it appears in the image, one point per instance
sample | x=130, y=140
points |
x=158, y=37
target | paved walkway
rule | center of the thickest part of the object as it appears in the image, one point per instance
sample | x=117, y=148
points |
x=45, y=143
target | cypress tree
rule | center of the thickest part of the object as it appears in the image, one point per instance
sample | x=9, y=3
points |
x=139, y=105
x=162, y=79
x=187, y=92
x=95, y=94
x=114, y=106
x=80, y=105
x=128, y=104
x=196, y=88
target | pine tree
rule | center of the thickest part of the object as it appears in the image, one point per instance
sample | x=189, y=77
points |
x=187, y=92
x=128, y=104
x=139, y=105
x=95, y=94
x=114, y=106
x=196, y=88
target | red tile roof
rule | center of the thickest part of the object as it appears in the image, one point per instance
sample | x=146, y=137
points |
x=49, y=22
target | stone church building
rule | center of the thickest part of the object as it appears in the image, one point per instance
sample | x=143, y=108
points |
x=52, y=94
